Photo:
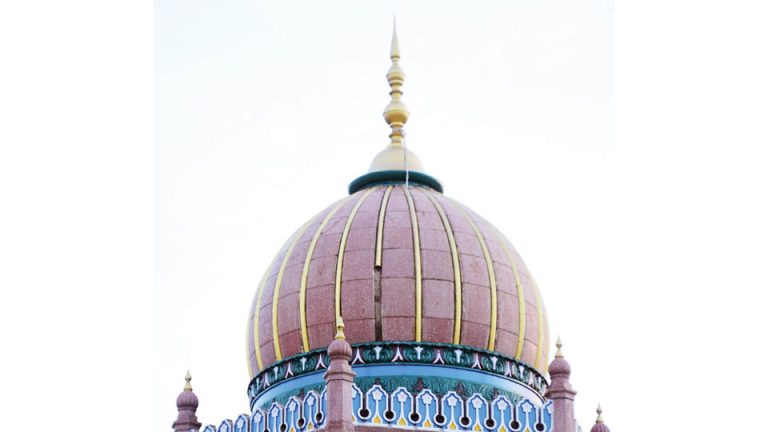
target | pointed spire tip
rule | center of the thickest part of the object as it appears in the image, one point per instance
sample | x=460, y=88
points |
x=394, y=52
x=188, y=378
x=559, y=345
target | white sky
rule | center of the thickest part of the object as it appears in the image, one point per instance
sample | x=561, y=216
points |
x=639, y=203
x=264, y=113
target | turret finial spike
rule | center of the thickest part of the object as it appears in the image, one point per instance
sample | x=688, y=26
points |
x=559, y=345
x=394, y=52
x=188, y=378
x=599, y=413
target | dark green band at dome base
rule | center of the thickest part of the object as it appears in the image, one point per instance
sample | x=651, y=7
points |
x=393, y=177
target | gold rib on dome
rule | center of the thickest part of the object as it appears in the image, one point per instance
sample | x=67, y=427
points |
x=456, y=268
x=520, y=294
x=491, y=277
x=380, y=225
x=396, y=157
x=540, y=317
x=276, y=291
x=342, y=246
x=256, y=347
x=257, y=313
x=305, y=275
x=416, y=261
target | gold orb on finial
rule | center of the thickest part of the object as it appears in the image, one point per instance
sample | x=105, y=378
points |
x=396, y=157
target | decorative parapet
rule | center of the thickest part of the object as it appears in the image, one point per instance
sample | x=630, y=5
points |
x=405, y=385
x=400, y=410
x=451, y=411
x=423, y=353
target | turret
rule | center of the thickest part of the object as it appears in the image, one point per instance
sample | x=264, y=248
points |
x=339, y=378
x=561, y=393
x=186, y=404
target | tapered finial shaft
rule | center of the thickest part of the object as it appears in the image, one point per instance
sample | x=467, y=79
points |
x=396, y=112
x=394, y=52
x=395, y=157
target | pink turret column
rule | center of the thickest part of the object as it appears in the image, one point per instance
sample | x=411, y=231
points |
x=561, y=393
x=186, y=404
x=339, y=379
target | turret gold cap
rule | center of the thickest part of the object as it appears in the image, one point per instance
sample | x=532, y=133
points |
x=188, y=378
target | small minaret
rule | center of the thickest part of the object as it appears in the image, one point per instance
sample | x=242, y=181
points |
x=561, y=393
x=599, y=424
x=186, y=404
x=339, y=379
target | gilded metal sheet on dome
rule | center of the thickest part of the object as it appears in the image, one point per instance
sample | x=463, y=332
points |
x=491, y=277
x=340, y=256
x=520, y=293
x=540, y=313
x=456, y=267
x=380, y=225
x=259, y=293
x=305, y=274
x=278, y=285
x=416, y=261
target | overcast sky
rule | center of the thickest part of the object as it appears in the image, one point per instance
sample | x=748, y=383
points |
x=642, y=248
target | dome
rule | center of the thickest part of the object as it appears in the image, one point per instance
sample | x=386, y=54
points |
x=398, y=263
x=419, y=300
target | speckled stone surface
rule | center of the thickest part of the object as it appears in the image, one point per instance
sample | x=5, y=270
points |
x=380, y=304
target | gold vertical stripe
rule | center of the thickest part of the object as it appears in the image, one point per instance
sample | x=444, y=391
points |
x=259, y=292
x=248, y=348
x=342, y=246
x=380, y=226
x=491, y=278
x=520, y=294
x=456, y=268
x=416, y=260
x=278, y=285
x=305, y=274
x=540, y=314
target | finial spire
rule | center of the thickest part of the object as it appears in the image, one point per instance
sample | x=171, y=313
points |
x=395, y=157
x=396, y=113
x=394, y=52
x=340, y=328
x=559, y=345
x=599, y=413
x=188, y=378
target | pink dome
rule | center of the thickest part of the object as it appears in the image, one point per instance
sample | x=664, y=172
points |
x=398, y=264
x=187, y=400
